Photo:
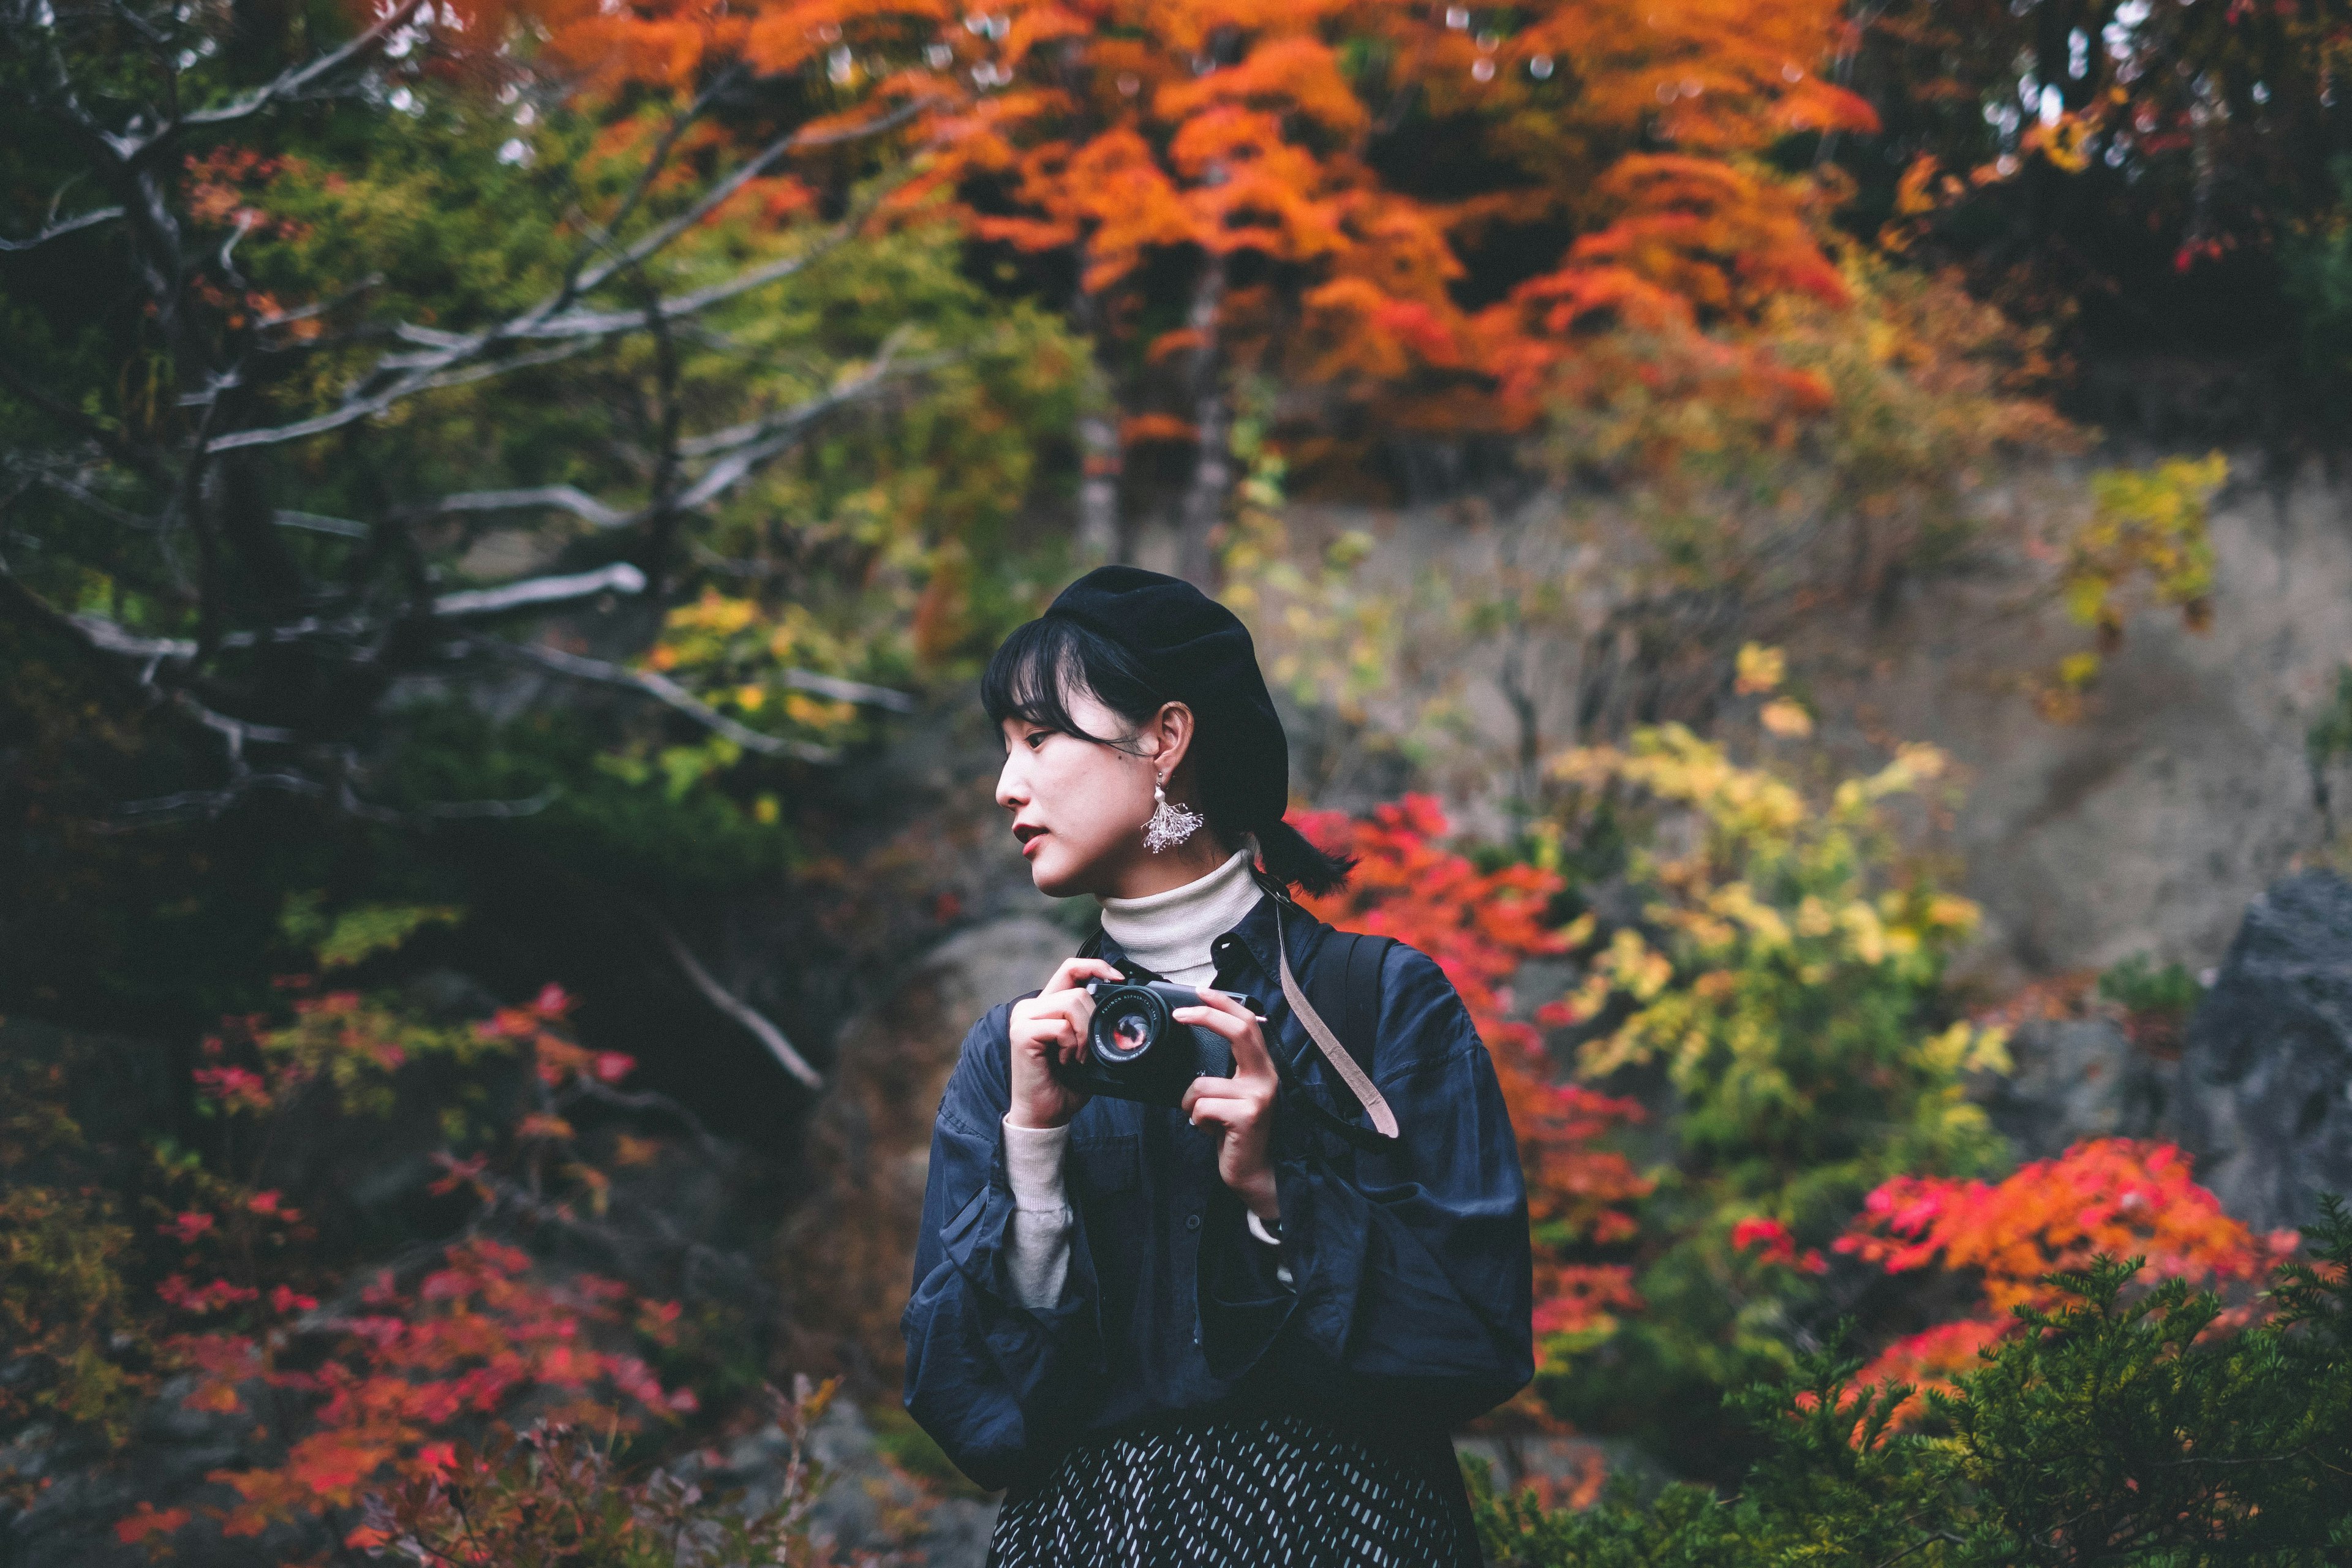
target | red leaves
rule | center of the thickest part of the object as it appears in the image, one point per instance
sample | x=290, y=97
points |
x=2118, y=1197
x=149, y=1520
x=233, y=1087
x=479, y=1332
x=364, y=1396
x=1772, y=1243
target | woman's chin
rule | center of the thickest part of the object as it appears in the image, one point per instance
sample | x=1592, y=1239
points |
x=1052, y=878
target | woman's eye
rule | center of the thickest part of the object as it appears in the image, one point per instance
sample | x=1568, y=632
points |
x=1034, y=737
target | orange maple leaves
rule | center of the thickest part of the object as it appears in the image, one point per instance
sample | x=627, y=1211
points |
x=1124, y=131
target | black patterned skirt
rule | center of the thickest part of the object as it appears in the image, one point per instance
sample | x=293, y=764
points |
x=1283, y=1490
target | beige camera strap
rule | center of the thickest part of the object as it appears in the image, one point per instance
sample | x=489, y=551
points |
x=1375, y=1104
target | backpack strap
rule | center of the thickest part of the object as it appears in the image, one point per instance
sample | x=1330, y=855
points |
x=1367, y=952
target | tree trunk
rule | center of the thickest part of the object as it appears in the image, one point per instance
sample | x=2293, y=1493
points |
x=1101, y=538
x=1212, y=470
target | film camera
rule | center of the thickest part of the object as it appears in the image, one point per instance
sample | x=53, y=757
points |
x=1136, y=1050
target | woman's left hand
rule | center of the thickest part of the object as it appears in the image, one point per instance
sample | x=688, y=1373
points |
x=1241, y=1105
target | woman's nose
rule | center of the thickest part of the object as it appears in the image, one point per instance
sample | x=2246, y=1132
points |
x=1012, y=792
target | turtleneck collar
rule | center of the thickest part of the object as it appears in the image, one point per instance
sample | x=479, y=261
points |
x=1169, y=932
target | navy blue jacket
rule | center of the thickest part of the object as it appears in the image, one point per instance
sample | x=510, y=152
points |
x=1410, y=1306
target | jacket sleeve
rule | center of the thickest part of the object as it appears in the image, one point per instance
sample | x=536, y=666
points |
x=995, y=1383
x=1412, y=1267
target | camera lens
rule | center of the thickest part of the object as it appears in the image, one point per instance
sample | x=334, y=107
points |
x=1126, y=1022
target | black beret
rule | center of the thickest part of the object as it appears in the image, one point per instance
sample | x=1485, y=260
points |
x=1198, y=652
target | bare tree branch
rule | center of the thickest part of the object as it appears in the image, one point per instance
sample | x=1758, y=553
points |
x=662, y=688
x=445, y=362
x=759, y=440
x=563, y=498
x=534, y=593
x=352, y=413
x=295, y=80
x=59, y=230
x=727, y=1003
x=856, y=691
x=799, y=140
x=344, y=527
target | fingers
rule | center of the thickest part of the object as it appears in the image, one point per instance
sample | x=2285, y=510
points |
x=1232, y=1115
x=1225, y=1015
x=1075, y=972
x=1059, y=1023
x=1209, y=1087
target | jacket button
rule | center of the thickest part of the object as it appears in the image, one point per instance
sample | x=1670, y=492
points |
x=1192, y=1222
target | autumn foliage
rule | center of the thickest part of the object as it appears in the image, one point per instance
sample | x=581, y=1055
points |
x=2012, y=1240
x=349, y=1383
x=1338, y=194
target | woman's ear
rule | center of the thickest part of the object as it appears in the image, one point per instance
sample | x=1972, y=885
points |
x=1173, y=727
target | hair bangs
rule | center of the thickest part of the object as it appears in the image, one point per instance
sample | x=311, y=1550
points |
x=1042, y=663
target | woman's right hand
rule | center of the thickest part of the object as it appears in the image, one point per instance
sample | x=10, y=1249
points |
x=1054, y=1023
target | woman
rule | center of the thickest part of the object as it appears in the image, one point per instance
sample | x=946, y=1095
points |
x=1211, y=1332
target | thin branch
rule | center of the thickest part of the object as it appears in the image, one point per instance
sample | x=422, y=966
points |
x=369, y=406
x=59, y=230
x=315, y=522
x=842, y=690
x=108, y=638
x=452, y=810
x=437, y=368
x=662, y=688
x=536, y=592
x=563, y=498
x=775, y=151
x=727, y=1003
x=766, y=438
x=294, y=80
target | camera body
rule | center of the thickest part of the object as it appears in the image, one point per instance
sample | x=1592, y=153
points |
x=1136, y=1050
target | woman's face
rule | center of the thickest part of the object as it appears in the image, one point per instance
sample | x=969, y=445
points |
x=1078, y=806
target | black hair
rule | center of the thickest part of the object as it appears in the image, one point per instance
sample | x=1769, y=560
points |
x=1030, y=678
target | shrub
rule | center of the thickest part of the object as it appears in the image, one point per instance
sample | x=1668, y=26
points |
x=2114, y=1428
x=552, y=1497
x=2011, y=1240
x=1777, y=979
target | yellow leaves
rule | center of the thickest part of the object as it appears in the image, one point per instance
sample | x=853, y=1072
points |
x=1640, y=970
x=1738, y=901
x=1785, y=718
x=1864, y=933
x=2146, y=525
x=1760, y=669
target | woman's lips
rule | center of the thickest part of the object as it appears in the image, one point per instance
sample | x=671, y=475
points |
x=1030, y=843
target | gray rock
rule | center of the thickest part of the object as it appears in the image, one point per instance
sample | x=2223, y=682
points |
x=2074, y=1078
x=2264, y=1098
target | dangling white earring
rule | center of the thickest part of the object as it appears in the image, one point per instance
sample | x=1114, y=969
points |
x=1169, y=824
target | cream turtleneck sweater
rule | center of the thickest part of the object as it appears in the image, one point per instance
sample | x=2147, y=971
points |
x=1167, y=934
